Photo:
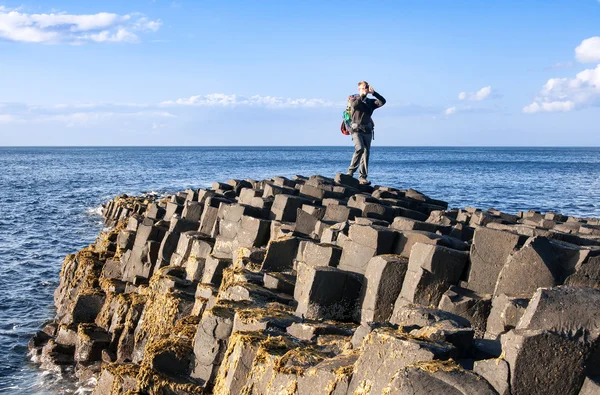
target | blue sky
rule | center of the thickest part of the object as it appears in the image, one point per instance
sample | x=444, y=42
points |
x=278, y=72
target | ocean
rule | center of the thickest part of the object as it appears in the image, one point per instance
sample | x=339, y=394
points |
x=50, y=201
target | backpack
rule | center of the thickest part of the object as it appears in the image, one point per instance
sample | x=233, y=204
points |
x=346, y=126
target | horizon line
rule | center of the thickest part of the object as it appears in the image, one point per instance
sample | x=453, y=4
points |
x=296, y=146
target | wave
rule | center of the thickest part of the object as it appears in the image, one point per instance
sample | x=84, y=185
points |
x=96, y=211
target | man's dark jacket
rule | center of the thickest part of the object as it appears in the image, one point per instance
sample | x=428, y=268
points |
x=363, y=109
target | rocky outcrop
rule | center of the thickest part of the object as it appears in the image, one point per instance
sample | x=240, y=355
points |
x=316, y=285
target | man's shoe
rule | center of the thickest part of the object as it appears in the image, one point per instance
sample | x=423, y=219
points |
x=364, y=181
x=350, y=173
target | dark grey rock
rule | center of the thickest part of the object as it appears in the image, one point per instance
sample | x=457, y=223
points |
x=543, y=362
x=280, y=254
x=213, y=269
x=326, y=293
x=192, y=211
x=285, y=207
x=316, y=254
x=386, y=351
x=505, y=314
x=280, y=282
x=431, y=271
x=468, y=304
x=438, y=378
x=496, y=372
x=587, y=274
x=540, y=263
x=407, y=238
x=383, y=281
x=91, y=340
x=489, y=252
x=565, y=310
x=211, y=340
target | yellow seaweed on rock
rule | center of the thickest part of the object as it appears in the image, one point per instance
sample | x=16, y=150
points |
x=155, y=383
x=435, y=365
x=186, y=327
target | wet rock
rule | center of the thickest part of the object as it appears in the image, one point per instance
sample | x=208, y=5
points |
x=91, y=340
x=85, y=308
x=87, y=371
x=38, y=340
x=66, y=335
x=56, y=356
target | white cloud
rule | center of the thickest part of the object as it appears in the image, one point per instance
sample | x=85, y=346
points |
x=78, y=114
x=554, y=106
x=74, y=29
x=450, y=111
x=155, y=113
x=6, y=118
x=220, y=99
x=589, y=50
x=566, y=94
x=480, y=95
x=561, y=65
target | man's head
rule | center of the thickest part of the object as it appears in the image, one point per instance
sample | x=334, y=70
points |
x=363, y=88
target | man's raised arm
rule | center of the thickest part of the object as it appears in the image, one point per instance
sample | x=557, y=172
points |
x=380, y=99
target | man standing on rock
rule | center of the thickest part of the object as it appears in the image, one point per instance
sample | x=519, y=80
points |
x=362, y=128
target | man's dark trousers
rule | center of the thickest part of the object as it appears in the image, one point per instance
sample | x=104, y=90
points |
x=362, y=149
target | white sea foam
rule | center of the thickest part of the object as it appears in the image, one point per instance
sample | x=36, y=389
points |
x=94, y=210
